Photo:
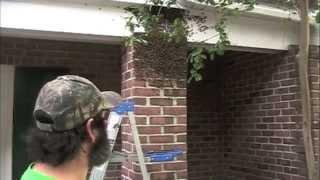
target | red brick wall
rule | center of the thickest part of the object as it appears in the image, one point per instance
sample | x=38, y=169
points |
x=314, y=71
x=244, y=120
x=263, y=138
x=100, y=63
x=160, y=113
x=251, y=101
x=205, y=127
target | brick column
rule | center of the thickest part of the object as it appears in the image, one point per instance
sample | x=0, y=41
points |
x=160, y=113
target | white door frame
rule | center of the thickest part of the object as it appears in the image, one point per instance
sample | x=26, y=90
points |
x=7, y=73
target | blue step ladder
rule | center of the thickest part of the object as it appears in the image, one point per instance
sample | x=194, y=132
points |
x=114, y=122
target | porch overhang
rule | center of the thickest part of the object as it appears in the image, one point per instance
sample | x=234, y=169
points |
x=104, y=21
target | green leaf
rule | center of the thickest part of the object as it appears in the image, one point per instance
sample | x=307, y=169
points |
x=190, y=59
x=196, y=51
x=198, y=77
x=219, y=49
x=220, y=52
x=318, y=17
x=203, y=56
x=211, y=56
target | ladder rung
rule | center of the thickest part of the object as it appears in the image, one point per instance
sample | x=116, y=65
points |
x=121, y=157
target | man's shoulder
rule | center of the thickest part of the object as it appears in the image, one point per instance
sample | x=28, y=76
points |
x=32, y=174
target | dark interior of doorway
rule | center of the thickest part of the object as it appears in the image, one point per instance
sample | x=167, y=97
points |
x=28, y=82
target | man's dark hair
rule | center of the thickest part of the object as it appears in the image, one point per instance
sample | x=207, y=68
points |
x=55, y=148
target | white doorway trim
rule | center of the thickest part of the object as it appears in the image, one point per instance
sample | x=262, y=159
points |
x=7, y=73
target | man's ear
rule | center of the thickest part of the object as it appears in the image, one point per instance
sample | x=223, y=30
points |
x=89, y=130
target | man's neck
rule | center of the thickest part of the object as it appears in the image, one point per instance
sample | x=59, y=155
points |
x=75, y=169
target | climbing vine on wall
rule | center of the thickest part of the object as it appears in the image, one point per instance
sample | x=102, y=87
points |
x=161, y=19
x=162, y=47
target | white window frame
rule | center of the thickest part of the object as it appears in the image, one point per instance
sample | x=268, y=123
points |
x=7, y=73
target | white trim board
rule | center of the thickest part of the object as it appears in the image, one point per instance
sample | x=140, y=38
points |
x=106, y=23
x=60, y=36
x=7, y=73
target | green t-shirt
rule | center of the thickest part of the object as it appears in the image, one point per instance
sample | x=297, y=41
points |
x=31, y=174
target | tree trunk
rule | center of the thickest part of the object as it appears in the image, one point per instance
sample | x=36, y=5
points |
x=303, y=59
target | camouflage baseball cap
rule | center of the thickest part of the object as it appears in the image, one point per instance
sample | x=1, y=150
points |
x=68, y=101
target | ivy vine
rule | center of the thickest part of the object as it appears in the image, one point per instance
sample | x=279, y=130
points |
x=317, y=16
x=155, y=16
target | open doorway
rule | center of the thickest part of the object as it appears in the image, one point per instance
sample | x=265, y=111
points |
x=28, y=82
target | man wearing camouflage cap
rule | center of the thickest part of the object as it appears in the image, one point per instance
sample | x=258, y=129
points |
x=70, y=116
